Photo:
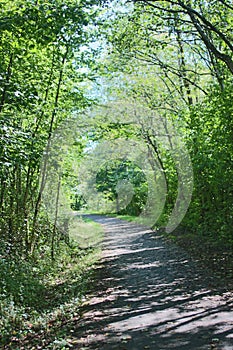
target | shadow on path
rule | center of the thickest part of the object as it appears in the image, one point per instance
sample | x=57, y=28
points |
x=150, y=295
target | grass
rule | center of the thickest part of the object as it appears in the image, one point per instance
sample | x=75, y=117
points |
x=39, y=301
x=88, y=233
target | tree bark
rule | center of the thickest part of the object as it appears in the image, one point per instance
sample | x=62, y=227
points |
x=55, y=218
x=47, y=150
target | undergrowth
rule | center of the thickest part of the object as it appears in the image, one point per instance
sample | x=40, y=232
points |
x=37, y=297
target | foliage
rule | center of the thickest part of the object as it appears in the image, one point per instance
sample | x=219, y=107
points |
x=207, y=24
x=111, y=177
x=210, y=140
x=40, y=51
x=75, y=77
x=61, y=286
x=176, y=69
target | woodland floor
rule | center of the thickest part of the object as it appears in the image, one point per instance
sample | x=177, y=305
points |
x=150, y=294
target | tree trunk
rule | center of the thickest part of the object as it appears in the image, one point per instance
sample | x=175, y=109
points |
x=55, y=218
x=46, y=158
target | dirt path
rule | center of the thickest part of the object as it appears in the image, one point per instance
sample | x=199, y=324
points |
x=151, y=295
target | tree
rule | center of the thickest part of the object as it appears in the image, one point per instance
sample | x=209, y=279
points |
x=211, y=22
x=40, y=51
x=111, y=177
x=159, y=59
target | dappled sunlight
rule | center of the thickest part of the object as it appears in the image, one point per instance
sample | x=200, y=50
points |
x=143, y=266
x=121, y=251
x=152, y=296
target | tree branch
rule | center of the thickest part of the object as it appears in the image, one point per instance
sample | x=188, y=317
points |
x=222, y=56
x=192, y=13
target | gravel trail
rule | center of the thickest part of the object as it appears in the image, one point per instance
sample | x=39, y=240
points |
x=149, y=294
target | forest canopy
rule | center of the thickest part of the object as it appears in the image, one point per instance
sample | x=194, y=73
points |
x=78, y=73
x=108, y=107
